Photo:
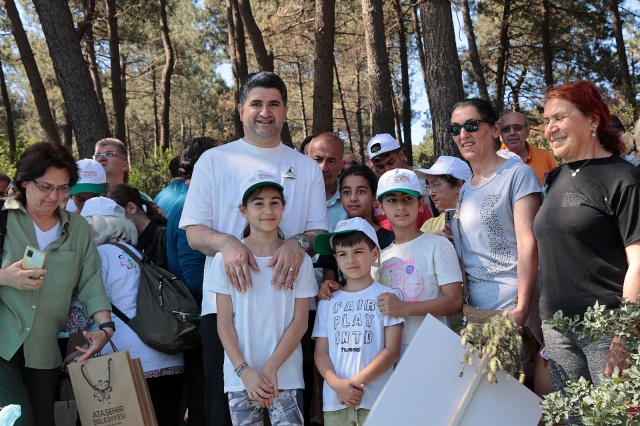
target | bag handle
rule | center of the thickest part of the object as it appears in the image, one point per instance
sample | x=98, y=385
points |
x=4, y=214
x=103, y=392
x=131, y=254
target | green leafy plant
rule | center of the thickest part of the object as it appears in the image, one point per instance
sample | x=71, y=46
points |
x=498, y=339
x=150, y=176
x=615, y=400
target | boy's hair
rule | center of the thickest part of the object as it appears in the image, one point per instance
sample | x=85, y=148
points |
x=350, y=239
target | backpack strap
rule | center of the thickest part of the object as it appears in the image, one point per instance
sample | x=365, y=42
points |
x=126, y=249
x=4, y=214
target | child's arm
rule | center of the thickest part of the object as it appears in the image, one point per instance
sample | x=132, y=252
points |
x=385, y=359
x=349, y=391
x=288, y=342
x=449, y=303
x=257, y=386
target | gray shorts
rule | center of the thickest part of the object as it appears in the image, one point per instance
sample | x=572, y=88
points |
x=286, y=411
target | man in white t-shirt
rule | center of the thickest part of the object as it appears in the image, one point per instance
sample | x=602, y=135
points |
x=212, y=219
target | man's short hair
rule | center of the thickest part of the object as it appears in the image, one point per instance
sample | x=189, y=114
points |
x=174, y=167
x=525, y=118
x=4, y=178
x=263, y=79
x=122, y=149
x=191, y=152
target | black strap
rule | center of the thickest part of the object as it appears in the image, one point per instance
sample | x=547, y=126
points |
x=114, y=308
x=3, y=226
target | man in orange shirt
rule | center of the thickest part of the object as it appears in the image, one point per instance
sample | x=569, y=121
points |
x=514, y=132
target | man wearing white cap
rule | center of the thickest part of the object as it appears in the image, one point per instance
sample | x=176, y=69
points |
x=213, y=221
x=385, y=153
x=444, y=180
x=91, y=184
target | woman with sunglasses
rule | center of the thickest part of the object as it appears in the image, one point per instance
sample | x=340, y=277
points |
x=34, y=303
x=493, y=224
x=587, y=229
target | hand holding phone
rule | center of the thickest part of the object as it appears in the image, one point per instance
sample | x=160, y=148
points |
x=448, y=217
x=33, y=258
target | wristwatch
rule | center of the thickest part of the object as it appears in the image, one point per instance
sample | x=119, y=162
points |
x=304, y=243
x=108, y=324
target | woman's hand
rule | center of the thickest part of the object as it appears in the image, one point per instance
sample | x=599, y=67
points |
x=617, y=357
x=22, y=279
x=97, y=340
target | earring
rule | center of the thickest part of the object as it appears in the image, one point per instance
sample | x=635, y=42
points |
x=593, y=132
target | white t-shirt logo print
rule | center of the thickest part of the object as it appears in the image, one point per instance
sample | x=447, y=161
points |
x=289, y=173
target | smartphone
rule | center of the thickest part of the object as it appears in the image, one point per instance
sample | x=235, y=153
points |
x=33, y=258
x=448, y=216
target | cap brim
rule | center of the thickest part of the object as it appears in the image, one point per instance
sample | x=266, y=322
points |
x=322, y=242
x=267, y=183
x=94, y=188
x=406, y=191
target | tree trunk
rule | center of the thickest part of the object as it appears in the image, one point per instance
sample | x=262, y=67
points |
x=362, y=137
x=323, y=67
x=156, y=121
x=116, y=72
x=166, y=76
x=11, y=133
x=625, y=79
x=88, y=121
x=238, y=56
x=305, y=125
x=93, y=69
x=378, y=68
x=67, y=130
x=406, y=89
x=444, y=75
x=45, y=118
x=478, y=74
x=503, y=49
x=344, y=110
x=264, y=59
x=418, y=36
x=547, y=52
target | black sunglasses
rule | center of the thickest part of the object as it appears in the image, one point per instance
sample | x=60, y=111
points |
x=470, y=127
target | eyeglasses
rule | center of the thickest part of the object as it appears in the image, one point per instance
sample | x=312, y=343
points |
x=107, y=154
x=46, y=188
x=515, y=127
x=470, y=127
x=351, y=163
x=434, y=184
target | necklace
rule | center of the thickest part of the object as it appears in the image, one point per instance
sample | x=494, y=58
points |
x=576, y=171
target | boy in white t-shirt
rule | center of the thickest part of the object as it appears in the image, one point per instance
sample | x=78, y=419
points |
x=423, y=266
x=356, y=344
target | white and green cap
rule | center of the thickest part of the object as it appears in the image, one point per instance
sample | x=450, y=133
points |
x=401, y=180
x=323, y=243
x=259, y=178
x=92, y=177
x=102, y=206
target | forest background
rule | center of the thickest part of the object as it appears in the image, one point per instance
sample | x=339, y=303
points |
x=148, y=71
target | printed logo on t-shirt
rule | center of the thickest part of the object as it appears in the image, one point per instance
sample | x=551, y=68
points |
x=572, y=199
x=352, y=322
x=289, y=173
x=127, y=262
x=403, y=275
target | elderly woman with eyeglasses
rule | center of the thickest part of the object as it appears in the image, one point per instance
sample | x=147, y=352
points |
x=34, y=304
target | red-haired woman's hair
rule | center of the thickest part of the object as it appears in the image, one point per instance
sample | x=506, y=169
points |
x=592, y=102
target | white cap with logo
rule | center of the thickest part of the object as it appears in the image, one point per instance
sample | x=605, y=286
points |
x=381, y=144
x=259, y=178
x=92, y=177
x=323, y=243
x=401, y=180
x=102, y=206
x=446, y=165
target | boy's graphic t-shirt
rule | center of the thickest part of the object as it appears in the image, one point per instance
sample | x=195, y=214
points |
x=261, y=315
x=354, y=326
x=418, y=268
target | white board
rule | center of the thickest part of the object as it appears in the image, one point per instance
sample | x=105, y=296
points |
x=425, y=388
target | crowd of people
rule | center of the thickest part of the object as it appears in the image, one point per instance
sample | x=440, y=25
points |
x=314, y=272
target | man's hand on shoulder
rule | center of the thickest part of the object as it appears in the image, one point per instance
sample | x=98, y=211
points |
x=238, y=262
x=286, y=263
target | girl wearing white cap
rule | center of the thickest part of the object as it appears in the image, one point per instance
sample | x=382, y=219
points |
x=261, y=328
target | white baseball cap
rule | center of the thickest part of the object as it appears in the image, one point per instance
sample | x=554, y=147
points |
x=259, y=178
x=381, y=144
x=323, y=243
x=401, y=180
x=446, y=165
x=102, y=206
x=92, y=177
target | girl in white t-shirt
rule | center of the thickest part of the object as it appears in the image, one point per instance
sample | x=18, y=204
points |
x=261, y=328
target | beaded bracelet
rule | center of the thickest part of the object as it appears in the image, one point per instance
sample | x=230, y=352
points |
x=241, y=368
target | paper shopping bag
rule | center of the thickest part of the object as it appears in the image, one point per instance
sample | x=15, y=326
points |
x=65, y=409
x=106, y=392
x=142, y=391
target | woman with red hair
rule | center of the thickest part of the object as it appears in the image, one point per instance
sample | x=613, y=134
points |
x=587, y=229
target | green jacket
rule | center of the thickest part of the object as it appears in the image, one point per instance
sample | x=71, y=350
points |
x=33, y=319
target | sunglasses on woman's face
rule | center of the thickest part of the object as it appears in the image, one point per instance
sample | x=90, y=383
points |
x=470, y=127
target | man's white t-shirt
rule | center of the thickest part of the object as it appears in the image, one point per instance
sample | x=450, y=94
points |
x=260, y=317
x=418, y=268
x=354, y=326
x=214, y=196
